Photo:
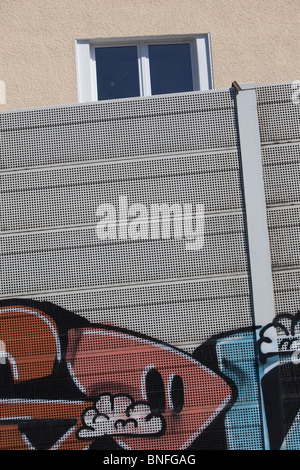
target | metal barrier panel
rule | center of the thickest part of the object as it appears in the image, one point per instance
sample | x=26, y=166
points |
x=279, y=117
x=138, y=340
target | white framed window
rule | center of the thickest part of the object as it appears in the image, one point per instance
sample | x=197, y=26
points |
x=122, y=68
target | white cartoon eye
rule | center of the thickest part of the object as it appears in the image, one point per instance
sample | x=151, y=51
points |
x=176, y=393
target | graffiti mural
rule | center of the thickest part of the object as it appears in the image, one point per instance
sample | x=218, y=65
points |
x=67, y=383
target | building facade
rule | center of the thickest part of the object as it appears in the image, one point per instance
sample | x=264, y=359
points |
x=247, y=42
x=149, y=243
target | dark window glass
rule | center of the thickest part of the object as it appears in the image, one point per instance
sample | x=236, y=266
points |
x=117, y=72
x=170, y=68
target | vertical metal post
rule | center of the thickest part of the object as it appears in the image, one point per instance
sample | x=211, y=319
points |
x=254, y=196
x=257, y=228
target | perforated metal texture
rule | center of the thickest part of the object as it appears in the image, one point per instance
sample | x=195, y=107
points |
x=279, y=122
x=118, y=129
x=177, y=313
x=284, y=231
x=75, y=258
x=237, y=359
x=278, y=115
x=75, y=192
x=58, y=164
x=281, y=173
x=287, y=293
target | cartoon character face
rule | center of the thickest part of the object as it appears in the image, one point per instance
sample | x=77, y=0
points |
x=148, y=390
x=111, y=382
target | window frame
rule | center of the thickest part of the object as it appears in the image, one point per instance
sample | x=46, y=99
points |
x=201, y=60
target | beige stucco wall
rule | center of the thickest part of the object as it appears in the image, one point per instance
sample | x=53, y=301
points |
x=251, y=40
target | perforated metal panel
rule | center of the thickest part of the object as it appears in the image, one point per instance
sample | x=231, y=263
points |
x=281, y=173
x=284, y=230
x=75, y=192
x=238, y=361
x=181, y=311
x=279, y=122
x=58, y=165
x=143, y=305
x=278, y=115
x=75, y=258
x=118, y=129
x=287, y=292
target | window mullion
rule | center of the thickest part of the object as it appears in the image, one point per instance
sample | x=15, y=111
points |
x=94, y=91
x=204, y=66
x=144, y=67
x=195, y=67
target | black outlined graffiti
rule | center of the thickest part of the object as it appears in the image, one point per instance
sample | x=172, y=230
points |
x=102, y=386
x=71, y=384
x=279, y=336
x=119, y=415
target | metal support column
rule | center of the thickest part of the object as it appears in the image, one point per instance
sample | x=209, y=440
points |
x=258, y=236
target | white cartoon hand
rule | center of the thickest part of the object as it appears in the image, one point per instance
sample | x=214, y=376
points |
x=119, y=415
